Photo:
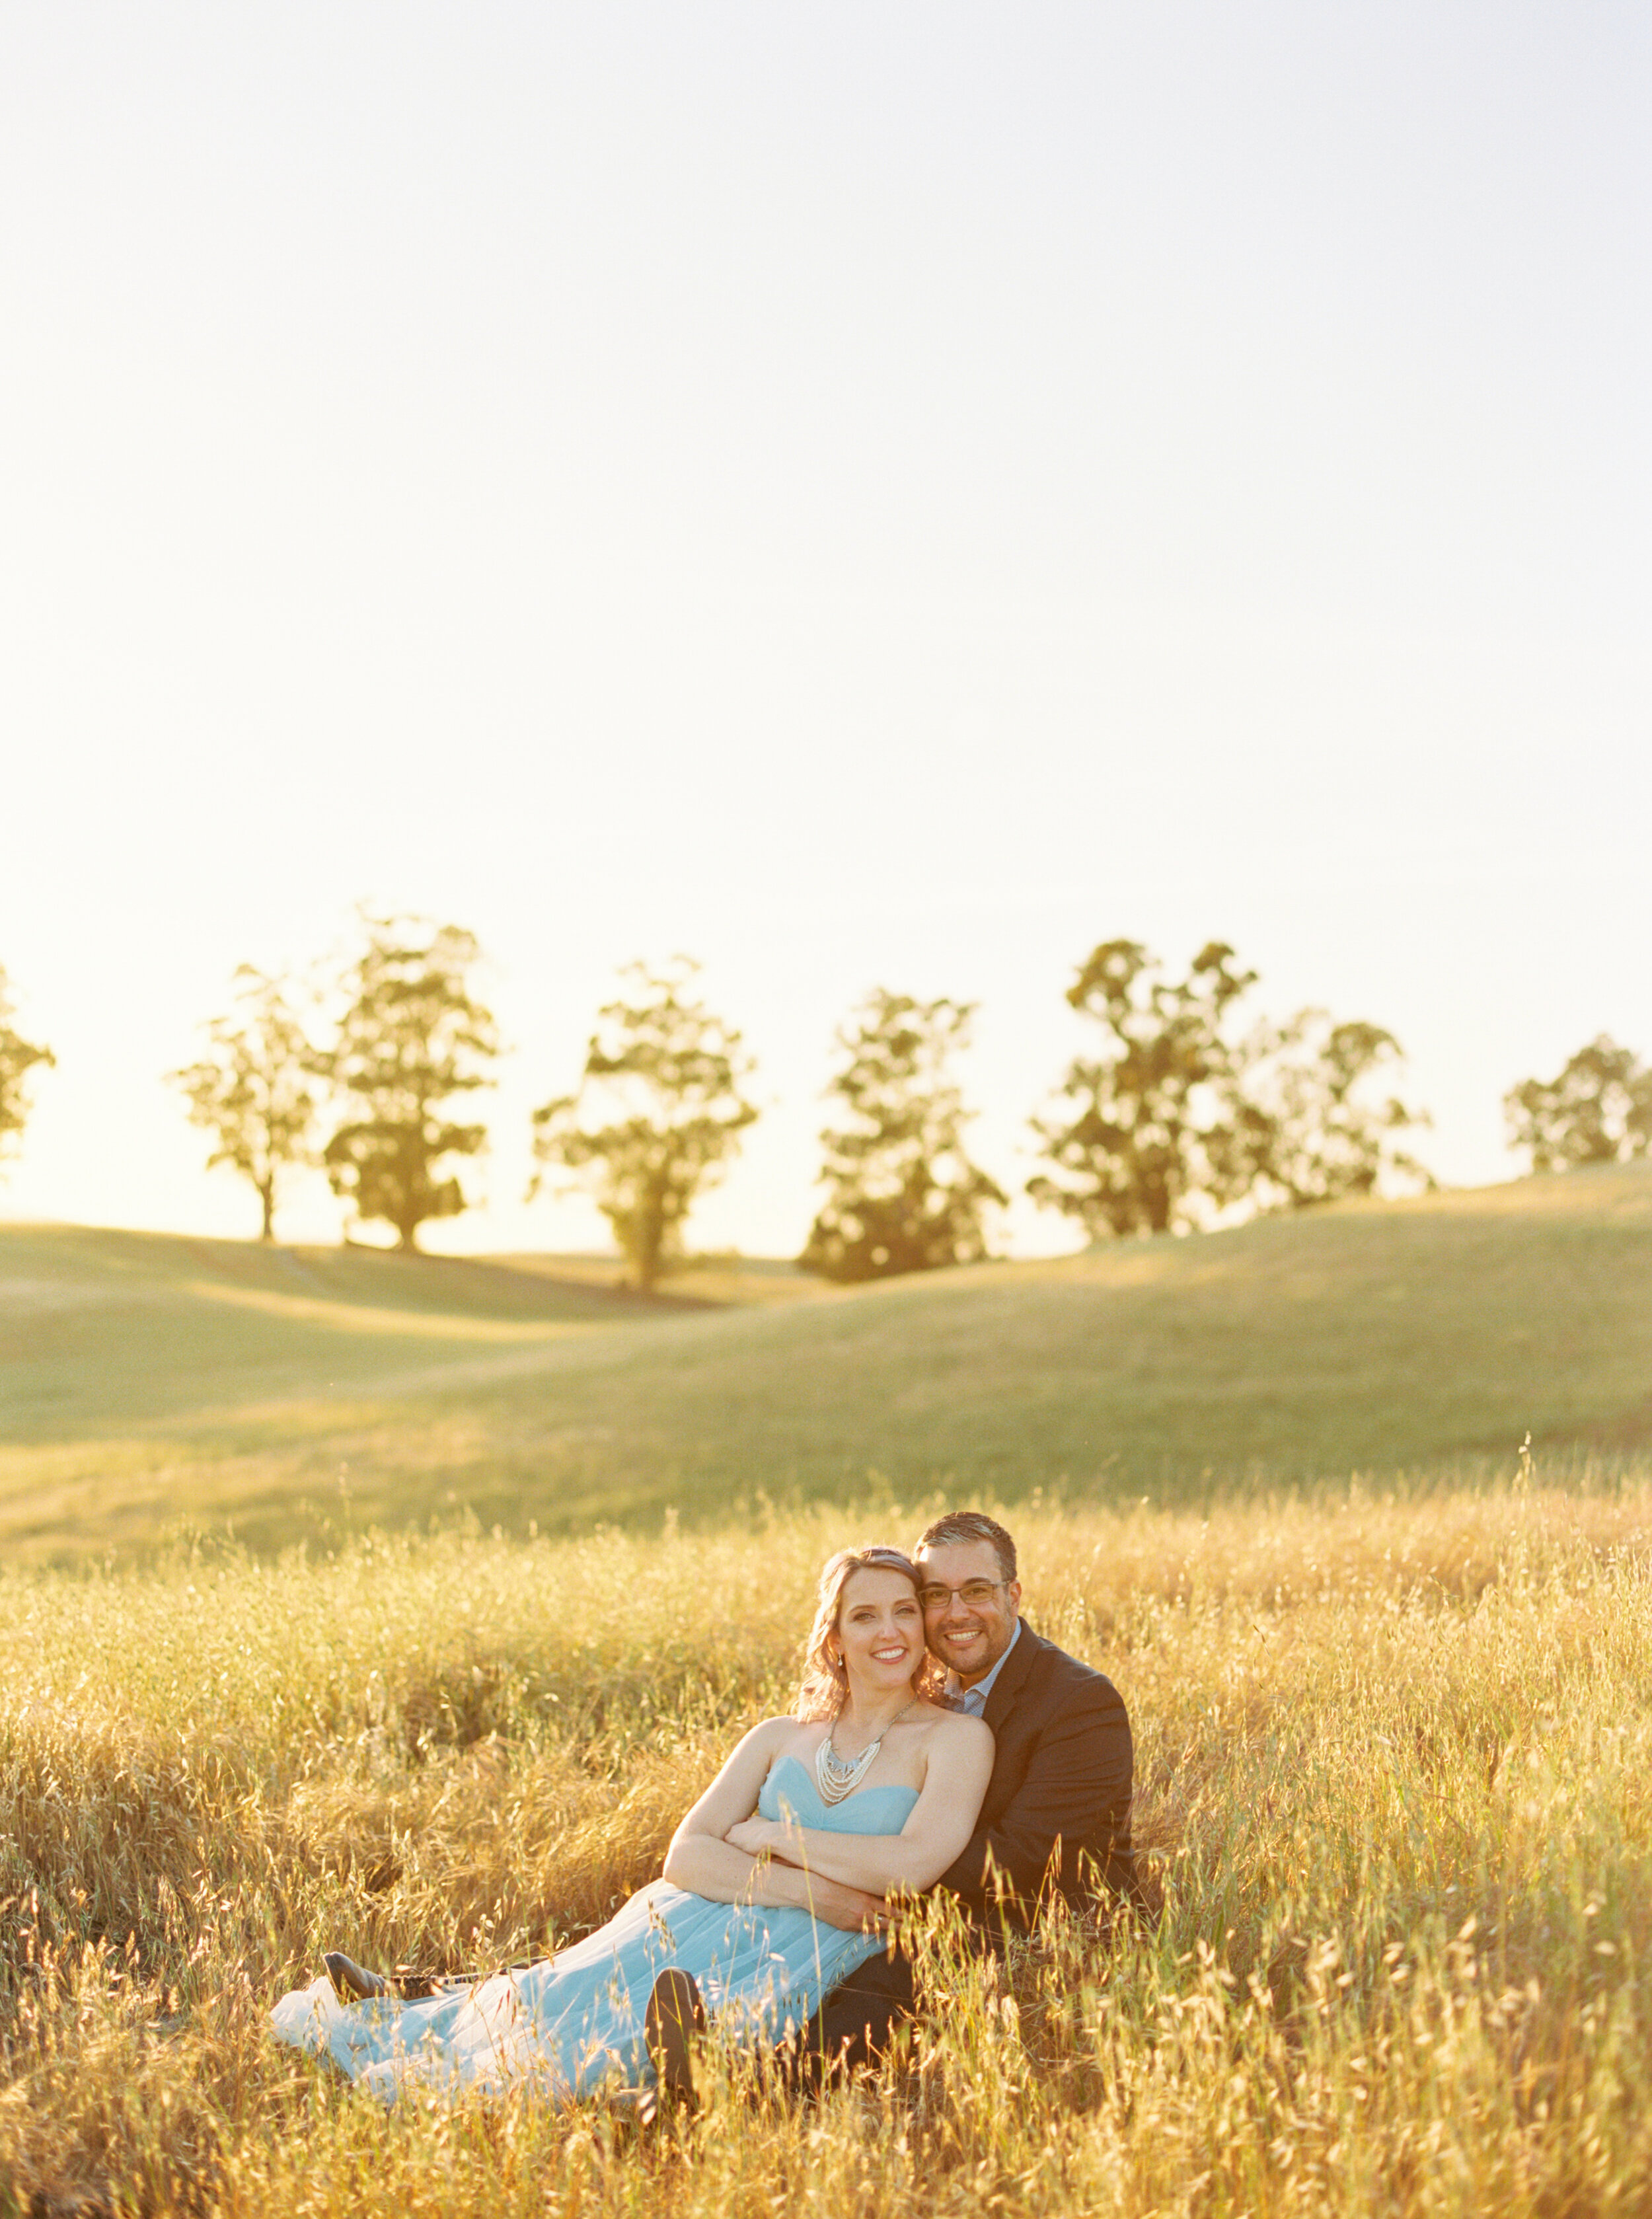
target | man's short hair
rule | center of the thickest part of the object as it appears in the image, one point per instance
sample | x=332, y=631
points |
x=970, y=1526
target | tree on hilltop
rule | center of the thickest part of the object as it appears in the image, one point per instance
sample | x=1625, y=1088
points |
x=413, y=1037
x=659, y=1111
x=255, y=1088
x=904, y=1194
x=1141, y=1135
x=1180, y=1117
x=1300, y=1128
x=1598, y=1110
x=18, y=1057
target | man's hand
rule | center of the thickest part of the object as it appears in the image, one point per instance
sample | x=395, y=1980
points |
x=756, y=1837
x=851, y=1908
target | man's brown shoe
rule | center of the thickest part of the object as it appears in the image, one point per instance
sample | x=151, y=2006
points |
x=352, y=1982
x=675, y=2013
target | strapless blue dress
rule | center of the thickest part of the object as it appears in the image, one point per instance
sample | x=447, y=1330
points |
x=565, y=2026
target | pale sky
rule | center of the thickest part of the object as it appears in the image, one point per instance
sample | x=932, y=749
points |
x=864, y=494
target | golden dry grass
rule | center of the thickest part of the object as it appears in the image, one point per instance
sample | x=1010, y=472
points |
x=1394, y=1772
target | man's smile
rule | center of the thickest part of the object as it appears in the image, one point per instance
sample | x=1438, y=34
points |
x=961, y=1643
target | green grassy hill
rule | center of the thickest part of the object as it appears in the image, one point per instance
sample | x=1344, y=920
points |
x=143, y=1381
x=98, y=1328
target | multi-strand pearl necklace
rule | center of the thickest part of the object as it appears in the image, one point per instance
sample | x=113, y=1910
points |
x=836, y=1776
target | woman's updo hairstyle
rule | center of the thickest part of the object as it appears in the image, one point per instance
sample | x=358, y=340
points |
x=825, y=1682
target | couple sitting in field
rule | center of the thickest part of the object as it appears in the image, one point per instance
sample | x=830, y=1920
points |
x=937, y=1742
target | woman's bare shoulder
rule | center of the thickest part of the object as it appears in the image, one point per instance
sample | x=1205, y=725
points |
x=772, y=1734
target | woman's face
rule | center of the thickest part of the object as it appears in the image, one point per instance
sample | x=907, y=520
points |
x=880, y=1628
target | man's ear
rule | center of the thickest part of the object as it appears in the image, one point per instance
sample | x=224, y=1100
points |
x=1015, y=1596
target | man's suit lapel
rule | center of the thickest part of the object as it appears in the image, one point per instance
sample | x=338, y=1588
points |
x=1013, y=1678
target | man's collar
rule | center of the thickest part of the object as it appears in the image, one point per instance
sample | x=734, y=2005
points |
x=1012, y=1669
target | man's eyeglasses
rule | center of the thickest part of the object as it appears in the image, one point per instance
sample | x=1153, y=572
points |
x=971, y=1595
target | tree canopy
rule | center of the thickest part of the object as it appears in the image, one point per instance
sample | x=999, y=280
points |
x=902, y=1195
x=1143, y=1132
x=255, y=1088
x=659, y=1112
x=411, y=1037
x=1304, y=1128
x=1180, y=1117
x=18, y=1057
x=1596, y=1110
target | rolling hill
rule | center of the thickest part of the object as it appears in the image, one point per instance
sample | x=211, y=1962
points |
x=147, y=1380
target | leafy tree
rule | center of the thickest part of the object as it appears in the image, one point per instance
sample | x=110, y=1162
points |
x=413, y=1037
x=254, y=1090
x=1301, y=1130
x=1143, y=1134
x=1598, y=1110
x=1179, y=1118
x=659, y=1111
x=18, y=1057
x=905, y=1197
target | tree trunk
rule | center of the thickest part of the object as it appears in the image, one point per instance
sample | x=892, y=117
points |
x=267, y=1197
x=650, y=1239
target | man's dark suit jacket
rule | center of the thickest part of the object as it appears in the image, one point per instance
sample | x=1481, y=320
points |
x=1057, y=1812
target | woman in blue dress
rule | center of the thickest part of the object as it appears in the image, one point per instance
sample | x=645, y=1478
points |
x=772, y=1889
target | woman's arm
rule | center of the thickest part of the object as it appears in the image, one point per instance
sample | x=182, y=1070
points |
x=942, y=1820
x=702, y=1861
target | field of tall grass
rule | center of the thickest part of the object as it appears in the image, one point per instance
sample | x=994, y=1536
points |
x=1394, y=1781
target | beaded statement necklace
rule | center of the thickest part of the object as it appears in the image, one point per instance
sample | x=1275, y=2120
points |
x=836, y=1776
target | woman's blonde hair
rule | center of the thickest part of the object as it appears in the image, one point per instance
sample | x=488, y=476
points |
x=825, y=1682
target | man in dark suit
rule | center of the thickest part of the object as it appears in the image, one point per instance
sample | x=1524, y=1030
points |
x=1057, y=1813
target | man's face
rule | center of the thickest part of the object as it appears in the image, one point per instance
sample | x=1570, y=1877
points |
x=969, y=1636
